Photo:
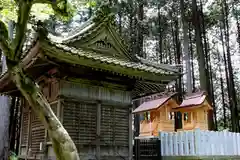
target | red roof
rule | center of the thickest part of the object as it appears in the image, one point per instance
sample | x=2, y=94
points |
x=153, y=104
x=194, y=99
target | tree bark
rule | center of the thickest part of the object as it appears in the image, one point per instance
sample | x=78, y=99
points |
x=232, y=91
x=140, y=29
x=63, y=145
x=191, y=56
x=185, y=47
x=199, y=46
x=222, y=92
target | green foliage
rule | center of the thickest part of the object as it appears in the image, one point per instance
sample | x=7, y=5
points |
x=13, y=156
x=8, y=9
x=103, y=10
x=61, y=9
x=91, y=4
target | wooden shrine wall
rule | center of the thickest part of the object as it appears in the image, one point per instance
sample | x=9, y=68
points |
x=80, y=118
x=77, y=106
x=33, y=132
x=90, y=92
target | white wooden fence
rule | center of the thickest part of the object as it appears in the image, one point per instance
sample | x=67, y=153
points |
x=200, y=143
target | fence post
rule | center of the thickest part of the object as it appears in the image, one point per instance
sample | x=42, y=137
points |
x=238, y=144
x=197, y=141
x=221, y=140
x=170, y=143
x=225, y=140
x=191, y=141
x=234, y=144
x=175, y=143
x=211, y=141
x=161, y=138
x=180, y=142
x=166, y=148
x=229, y=143
x=186, y=143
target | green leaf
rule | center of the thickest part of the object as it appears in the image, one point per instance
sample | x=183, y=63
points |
x=91, y=4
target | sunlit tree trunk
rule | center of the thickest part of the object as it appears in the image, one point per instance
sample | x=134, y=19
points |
x=63, y=145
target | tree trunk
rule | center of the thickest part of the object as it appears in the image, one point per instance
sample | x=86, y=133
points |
x=222, y=93
x=212, y=119
x=238, y=25
x=63, y=145
x=199, y=47
x=160, y=39
x=232, y=91
x=191, y=56
x=185, y=47
x=140, y=29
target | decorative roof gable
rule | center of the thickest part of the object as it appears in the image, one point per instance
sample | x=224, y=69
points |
x=100, y=34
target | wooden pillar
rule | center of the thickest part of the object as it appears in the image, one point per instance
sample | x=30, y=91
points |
x=130, y=151
x=136, y=119
x=29, y=132
x=21, y=125
x=59, y=113
x=98, y=130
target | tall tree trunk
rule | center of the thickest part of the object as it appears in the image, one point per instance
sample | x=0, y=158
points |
x=62, y=143
x=238, y=25
x=178, y=55
x=222, y=92
x=191, y=56
x=160, y=38
x=212, y=115
x=226, y=74
x=232, y=91
x=140, y=29
x=199, y=47
x=215, y=124
x=185, y=47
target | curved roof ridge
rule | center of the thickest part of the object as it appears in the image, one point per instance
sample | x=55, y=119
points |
x=158, y=65
x=102, y=14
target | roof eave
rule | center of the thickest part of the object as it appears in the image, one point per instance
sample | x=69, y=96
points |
x=70, y=55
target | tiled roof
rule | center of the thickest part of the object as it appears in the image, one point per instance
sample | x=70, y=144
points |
x=109, y=60
x=91, y=27
x=194, y=99
x=152, y=104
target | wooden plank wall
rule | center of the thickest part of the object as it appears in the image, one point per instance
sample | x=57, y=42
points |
x=114, y=126
x=80, y=120
x=91, y=92
x=32, y=130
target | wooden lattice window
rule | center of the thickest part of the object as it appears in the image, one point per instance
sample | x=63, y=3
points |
x=79, y=119
x=114, y=126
